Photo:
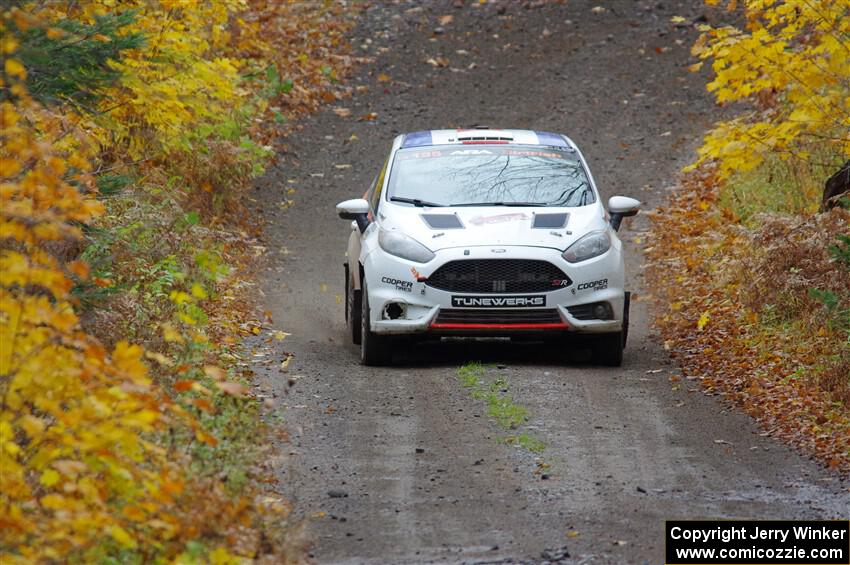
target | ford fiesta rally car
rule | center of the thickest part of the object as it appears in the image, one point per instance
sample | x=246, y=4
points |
x=485, y=232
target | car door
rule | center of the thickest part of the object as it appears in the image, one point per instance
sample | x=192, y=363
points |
x=355, y=240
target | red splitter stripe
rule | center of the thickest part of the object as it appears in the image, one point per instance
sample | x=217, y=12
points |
x=551, y=326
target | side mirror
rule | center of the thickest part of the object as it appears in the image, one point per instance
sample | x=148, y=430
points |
x=356, y=209
x=620, y=207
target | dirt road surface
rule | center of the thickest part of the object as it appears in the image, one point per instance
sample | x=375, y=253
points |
x=404, y=465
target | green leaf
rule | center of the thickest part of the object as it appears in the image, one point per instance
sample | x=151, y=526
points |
x=109, y=185
x=272, y=75
x=76, y=66
x=825, y=297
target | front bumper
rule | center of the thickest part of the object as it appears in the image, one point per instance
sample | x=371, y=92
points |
x=402, y=302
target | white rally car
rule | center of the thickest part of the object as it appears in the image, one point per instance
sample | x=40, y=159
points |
x=485, y=232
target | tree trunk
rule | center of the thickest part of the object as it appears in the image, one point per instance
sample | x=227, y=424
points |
x=837, y=186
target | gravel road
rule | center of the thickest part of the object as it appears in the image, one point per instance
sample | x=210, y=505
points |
x=401, y=464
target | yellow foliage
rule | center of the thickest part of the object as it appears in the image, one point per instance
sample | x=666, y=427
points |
x=792, y=64
x=184, y=85
x=84, y=474
x=179, y=78
x=703, y=320
x=15, y=69
x=73, y=413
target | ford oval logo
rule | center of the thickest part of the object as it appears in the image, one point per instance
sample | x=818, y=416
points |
x=498, y=250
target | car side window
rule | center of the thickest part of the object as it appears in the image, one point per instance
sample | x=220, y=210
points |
x=371, y=190
x=377, y=188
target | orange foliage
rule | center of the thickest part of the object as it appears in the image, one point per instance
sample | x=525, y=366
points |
x=84, y=471
x=73, y=414
x=714, y=281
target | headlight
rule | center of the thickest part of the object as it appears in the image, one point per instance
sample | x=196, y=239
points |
x=405, y=247
x=592, y=245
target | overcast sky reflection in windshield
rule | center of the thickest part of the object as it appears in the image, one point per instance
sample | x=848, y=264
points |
x=493, y=174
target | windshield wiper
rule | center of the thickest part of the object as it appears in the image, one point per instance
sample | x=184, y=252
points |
x=416, y=202
x=500, y=204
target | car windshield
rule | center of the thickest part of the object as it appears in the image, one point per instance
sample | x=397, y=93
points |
x=492, y=175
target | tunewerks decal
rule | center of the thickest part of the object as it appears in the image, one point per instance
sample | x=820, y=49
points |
x=497, y=301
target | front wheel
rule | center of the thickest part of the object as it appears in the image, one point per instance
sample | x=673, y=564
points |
x=353, y=299
x=374, y=349
x=607, y=349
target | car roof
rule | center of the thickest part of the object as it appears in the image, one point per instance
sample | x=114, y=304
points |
x=482, y=136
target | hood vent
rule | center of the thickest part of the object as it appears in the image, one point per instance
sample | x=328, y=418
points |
x=550, y=221
x=442, y=221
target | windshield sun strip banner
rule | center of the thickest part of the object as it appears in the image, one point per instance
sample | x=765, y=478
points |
x=547, y=138
x=492, y=149
x=417, y=139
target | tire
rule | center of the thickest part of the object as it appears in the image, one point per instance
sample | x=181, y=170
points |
x=626, y=306
x=353, y=308
x=374, y=349
x=607, y=349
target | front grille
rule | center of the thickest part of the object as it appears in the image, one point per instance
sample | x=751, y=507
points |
x=504, y=276
x=500, y=317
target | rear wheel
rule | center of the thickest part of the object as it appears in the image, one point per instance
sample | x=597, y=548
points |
x=353, y=299
x=607, y=349
x=374, y=349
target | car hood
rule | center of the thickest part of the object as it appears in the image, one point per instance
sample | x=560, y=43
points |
x=444, y=228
